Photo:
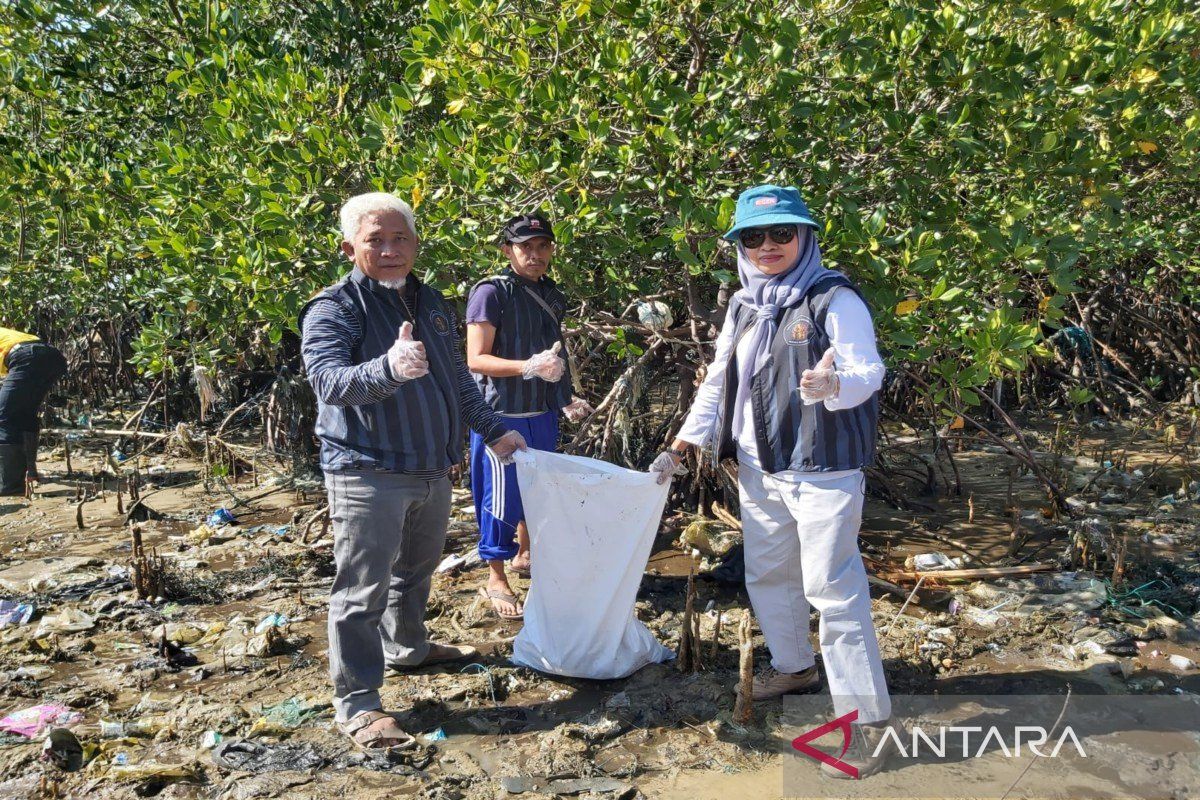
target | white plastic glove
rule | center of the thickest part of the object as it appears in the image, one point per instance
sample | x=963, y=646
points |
x=547, y=365
x=506, y=445
x=407, y=356
x=666, y=466
x=820, y=382
x=577, y=409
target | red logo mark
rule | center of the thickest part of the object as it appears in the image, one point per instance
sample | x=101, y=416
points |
x=842, y=723
x=534, y=223
x=766, y=201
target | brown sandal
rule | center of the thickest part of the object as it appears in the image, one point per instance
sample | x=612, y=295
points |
x=496, y=594
x=365, y=739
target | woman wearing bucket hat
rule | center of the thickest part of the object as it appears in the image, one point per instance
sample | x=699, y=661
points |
x=792, y=392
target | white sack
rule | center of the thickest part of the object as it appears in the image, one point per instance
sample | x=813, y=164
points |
x=591, y=527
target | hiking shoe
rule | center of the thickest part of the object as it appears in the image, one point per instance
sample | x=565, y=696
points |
x=862, y=755
x=773, y=683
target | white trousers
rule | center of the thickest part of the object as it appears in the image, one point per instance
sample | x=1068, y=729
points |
x=801, y=540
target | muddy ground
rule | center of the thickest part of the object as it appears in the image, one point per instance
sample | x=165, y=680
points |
x=205, y=663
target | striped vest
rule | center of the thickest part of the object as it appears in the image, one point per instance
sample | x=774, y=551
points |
x=526, y=328
x=791, y=435
x=417, y=429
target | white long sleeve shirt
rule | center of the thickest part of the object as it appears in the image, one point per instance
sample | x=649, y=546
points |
x=859, y=368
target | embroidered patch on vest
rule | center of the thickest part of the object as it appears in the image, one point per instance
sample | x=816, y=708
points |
x=800, y=332
x=440, y=323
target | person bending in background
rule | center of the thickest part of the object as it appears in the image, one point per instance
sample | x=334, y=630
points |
x=29, y=367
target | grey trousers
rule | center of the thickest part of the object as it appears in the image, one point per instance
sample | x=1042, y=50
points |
x=388, y=534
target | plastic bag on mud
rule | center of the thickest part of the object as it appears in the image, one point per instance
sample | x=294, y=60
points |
x=591, y=527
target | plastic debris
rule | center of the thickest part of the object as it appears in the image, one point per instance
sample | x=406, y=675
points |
x=30, y=722
x=14, y=613
x=211, y=739
x=272, y=620
x=929, y=562
x=121, y=730
x=654, y=314
x=436, y=736
x=222, y=516
x=69, y=620
x=455, y=562
x=1182, y=662
x=125, y=771
x=63, y=750
x=242, y=754
x=708, y=537
x=283, y=718
x=157, y=469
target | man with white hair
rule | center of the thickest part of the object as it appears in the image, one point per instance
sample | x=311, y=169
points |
x=393, y=397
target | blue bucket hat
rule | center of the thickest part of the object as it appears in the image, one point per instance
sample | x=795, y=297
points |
x=766, y=205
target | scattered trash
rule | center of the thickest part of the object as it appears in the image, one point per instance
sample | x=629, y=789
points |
x=63, y=750
x=435, y=736
x=125, y=771
x=14, y=613
x=1181, y=662
x=120, y=759
x=291, y=713
x=929, y=562
x=222, y=516
x=453, y=563
x=708, y=537
x=118, y=456
x=249, y=756
x=69, y=620
x=30, y=722
x=122, y=730
x=211, y=739
x=200, y=534
x=654, y=314
x=157, y=469
x=272, y=620
x=573, y=786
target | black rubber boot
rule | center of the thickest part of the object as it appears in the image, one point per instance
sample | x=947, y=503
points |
x=12, y=470
x=31, y=450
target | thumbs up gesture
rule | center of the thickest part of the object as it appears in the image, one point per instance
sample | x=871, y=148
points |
x=820, y=382
x=547, y=365
x=406, y=357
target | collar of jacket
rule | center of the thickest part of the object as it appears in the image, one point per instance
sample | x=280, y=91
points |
x=410, y=287
x=541, y=283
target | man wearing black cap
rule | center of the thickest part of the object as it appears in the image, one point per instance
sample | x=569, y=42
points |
x=515, y=350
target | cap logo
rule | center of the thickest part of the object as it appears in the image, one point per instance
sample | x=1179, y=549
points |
x=535, y=223
x=766, y=201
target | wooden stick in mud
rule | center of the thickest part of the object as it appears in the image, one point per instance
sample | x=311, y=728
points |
x=79, y=507
x=716, y=640
x=743, y=710
x=108, y=432
x=321, y=513
x=685, y=659
x=972, y=574
x=67, y=452
x=722, y=514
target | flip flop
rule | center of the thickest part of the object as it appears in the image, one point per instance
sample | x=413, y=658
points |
x=496, y=594
x=356, y=730
x=522, y=571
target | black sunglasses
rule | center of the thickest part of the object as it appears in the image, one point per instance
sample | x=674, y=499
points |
x=754, y=237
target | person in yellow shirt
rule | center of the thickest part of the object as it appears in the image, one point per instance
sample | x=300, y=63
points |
x=29, y=368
